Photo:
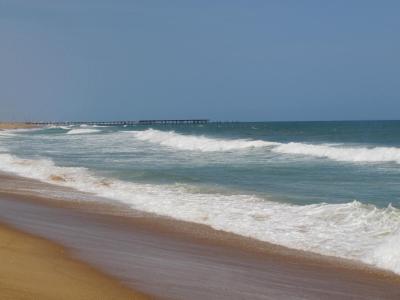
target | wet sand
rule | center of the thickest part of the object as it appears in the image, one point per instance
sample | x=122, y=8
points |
x=34, y=268
x=178, y=260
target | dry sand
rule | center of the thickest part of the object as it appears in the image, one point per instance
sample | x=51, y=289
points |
x=34, y=268
x=15, y=125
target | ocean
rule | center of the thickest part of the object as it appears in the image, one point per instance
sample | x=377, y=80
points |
x=330, y=188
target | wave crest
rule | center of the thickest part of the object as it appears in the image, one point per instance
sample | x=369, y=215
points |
x=351, y=154
x=344, y=153
x=82, y=131
x=196, y=143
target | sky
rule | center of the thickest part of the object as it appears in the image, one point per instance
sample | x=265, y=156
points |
x=224, y=60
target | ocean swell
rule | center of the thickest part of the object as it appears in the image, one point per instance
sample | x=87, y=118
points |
x=351, y=230
x=342, y=152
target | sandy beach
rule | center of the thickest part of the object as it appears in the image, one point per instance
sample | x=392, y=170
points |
x=34, y=268
x=15, y=125
x=177, y=260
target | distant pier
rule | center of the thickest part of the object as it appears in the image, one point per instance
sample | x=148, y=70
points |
x=123, y=123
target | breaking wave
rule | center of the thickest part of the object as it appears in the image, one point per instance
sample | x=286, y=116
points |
x=351, y=230
x=66, y=127
x=206, y=144
x=83, y=131
x=196, y=143
x=340, y=153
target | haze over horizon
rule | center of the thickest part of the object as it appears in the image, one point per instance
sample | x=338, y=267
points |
x=223, y=60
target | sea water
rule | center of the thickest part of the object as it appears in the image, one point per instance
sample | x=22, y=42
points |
x=327, y=187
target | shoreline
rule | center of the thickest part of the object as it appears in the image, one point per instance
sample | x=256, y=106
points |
x=184, y=230
x=298, y=271
x=16, y=125
x=35, y=268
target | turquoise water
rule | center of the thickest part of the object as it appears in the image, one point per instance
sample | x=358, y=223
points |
x=327, y=187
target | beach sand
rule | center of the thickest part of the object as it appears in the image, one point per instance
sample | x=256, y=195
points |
x=170, y=259
x=34, y=268
x=15, y=125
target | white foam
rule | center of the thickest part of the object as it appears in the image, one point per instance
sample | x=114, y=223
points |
x=339, y=152
x=83, y=131
x=196, y=143
x=342, y=153
x=5, y=133
x=351, y=230
x=387, y=254
x=11, y=132
x=58, y=127
x=92, y=126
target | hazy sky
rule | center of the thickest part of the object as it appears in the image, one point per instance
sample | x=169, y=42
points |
x=224, y=60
